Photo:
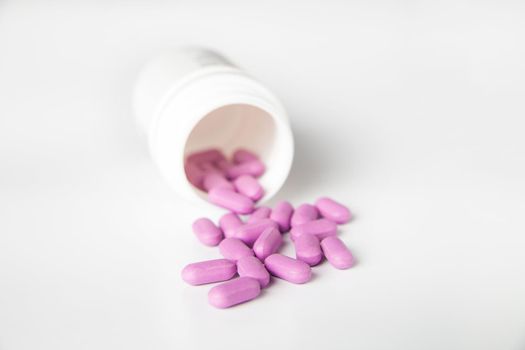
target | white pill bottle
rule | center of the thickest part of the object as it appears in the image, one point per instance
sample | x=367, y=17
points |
x=193, y=99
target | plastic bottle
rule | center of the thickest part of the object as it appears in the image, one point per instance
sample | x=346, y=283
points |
x=193, y=99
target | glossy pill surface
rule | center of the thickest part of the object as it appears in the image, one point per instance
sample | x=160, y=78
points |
x=231, y=200
x=268, y=243
x=249, y=233
x=234, y=249
x=320, y=228
x=209, y=271
x=229, y=223
x=282, y=214
x=216, y=180
x=288, y=269
x=254, y=168
x=303, y=214
x=259, y=213
x=206, y=231
x=234, y=292
x=249, y=186
x=243, y=155
x=337, y=253
x=308, y=249
x=250, y=266
x=332, y=210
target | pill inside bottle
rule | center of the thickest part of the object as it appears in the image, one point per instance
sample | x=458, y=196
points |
x=191, y=100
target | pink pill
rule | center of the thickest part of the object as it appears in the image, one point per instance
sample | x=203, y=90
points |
x=281, y=214
x=243, y=155
x=254, y=168
x=320, y=228
x=216, y=180
x=209, y=271
x=308, y=249
x=259, y=213
x=234, y=249
x=228, y=223
x=337, y=253
x=333, y=210
x=289, y=269
x=207, y=232
x=268, y=243
x=250, y=266
x=249, y=186
x=303, y=214
x=250, y=232
x=194, y=174
x=209, y=168
x=234, y=292
x=231, y=200
x=223, y=165
x=209, y=155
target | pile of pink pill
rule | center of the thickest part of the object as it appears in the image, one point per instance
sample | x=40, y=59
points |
x=250, y=248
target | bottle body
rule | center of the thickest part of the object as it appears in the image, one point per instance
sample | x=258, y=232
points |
x=193, y=99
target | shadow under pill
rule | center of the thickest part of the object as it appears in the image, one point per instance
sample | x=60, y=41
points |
x=315, y=277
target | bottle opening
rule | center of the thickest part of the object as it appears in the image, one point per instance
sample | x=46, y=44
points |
x=236, y=126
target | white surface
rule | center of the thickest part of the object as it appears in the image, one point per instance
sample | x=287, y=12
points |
x=410, y=113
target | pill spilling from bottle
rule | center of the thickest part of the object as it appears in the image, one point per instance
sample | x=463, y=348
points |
x=250, y=246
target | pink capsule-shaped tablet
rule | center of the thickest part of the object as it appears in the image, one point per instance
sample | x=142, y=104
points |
x=209, y=155
x=259, y=213
x=281, y=214
x=234, y=292
x=209, y=168
x=249, y=186
x=254, y=168
x=308, y=249
x=289, y=269
x=320, y=228
x=303, y=214
x=206, y=232
x=268, y=243
x=234, y=249
x=216, y=180
x=250, y=232
x=223, y=165
x=333, y=210
x=243, y=155
x=229, y=223
x=250, y=266
x=337, y=253
x=194, y=174
x=209, y=271
x=231, y=200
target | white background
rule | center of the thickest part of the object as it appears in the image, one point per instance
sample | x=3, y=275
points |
x=411, y=112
